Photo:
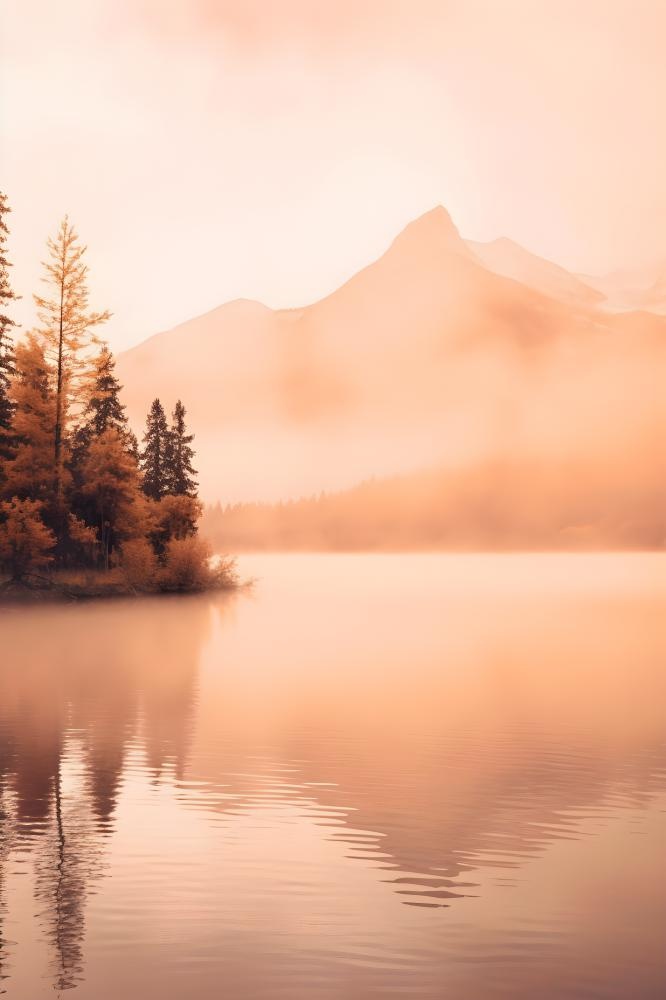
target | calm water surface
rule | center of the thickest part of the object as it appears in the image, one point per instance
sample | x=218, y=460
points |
x=373, y=776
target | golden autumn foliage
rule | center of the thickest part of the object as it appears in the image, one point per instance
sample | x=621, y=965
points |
x=111, y=485
x=139, y=564
x=176, y=516
x=25, y=541
x=186, y=565
x=83, y=538
x=110, y=477
x=80, y=532
x=31, y=473
x=79, y=495
x=66, y=329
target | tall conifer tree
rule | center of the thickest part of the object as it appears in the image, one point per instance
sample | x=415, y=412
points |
x=110, y=482
x=180, y=472
x=154, y=453
x=31, y=472
x=66, y=328
x=103, y=410
x=7, y=295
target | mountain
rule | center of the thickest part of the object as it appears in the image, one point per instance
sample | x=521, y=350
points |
x=655, y=298
x=642, y=289
x=503, y=256
x=425, y=357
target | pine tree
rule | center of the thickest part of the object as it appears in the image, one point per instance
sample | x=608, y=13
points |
x=7, y=295
x=66, y=330
x=31, y=472
x=180, y=473
x=154, y=453
x=111, y=482
x=133, y=445
x=174, y=517
x=103, y=409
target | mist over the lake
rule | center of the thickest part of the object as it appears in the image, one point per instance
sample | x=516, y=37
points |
x=332, y=499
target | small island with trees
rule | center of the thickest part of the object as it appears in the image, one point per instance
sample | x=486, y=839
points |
x=85, y=510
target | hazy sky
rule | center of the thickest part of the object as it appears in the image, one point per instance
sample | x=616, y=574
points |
x=211, y=149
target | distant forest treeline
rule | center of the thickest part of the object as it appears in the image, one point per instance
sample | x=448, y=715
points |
x=497, y=505
x=77, y=491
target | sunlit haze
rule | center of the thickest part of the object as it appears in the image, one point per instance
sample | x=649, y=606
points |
x=268, y=149
x=332, y=499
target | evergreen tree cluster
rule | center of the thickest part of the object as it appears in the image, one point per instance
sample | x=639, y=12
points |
x=7, y=295
x=76, y=490
x=166, y=459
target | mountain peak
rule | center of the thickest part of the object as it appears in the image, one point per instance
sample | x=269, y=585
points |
x=505, y=241
x=433, y=231
x=438, y=214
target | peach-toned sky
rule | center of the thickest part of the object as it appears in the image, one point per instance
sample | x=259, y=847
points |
x=210, y=149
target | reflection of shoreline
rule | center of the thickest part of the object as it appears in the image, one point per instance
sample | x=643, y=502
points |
x=534, y=699
x=6, y=828
x=92, y=672
x=430, y=761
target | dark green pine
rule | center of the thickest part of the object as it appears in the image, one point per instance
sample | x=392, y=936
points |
x=155, y=452
x=180, y=471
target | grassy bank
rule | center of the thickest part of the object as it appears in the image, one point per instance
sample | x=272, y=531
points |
x=87, y=584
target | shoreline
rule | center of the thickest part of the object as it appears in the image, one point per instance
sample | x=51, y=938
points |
x=52, y=590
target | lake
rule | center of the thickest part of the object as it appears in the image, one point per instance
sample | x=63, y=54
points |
x=416, y=776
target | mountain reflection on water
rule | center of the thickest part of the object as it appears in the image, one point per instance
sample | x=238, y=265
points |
x=371, y=775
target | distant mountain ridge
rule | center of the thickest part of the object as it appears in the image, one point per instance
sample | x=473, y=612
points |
x=626, y=291
x=509, y=259
x=427, y=355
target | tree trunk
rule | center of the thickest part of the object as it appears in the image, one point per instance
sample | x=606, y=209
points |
x=58, y=419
